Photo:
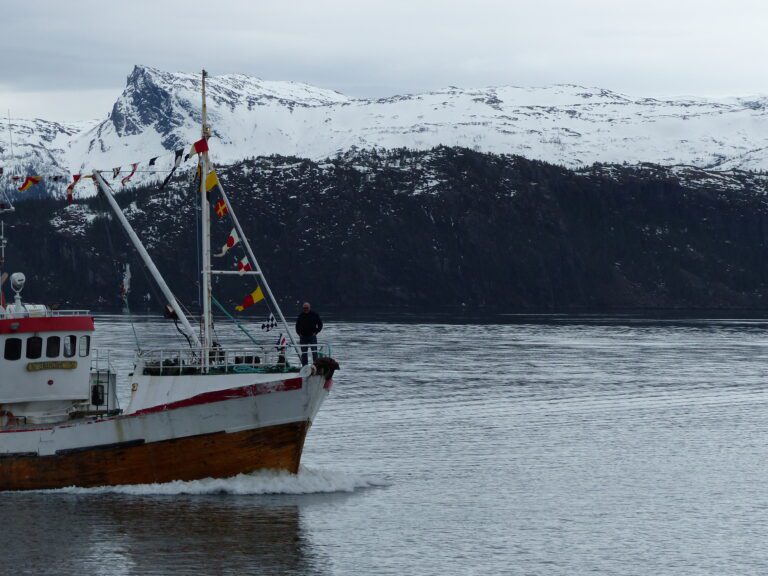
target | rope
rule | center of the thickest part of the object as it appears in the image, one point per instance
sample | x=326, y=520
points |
x=130, y=319
x=117, y=269
x=235, y=320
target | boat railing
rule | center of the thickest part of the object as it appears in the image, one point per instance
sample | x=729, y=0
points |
x=101, y=361
x=218, y=360
x=8, y=315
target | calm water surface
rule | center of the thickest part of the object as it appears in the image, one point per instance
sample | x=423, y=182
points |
x=561, y=447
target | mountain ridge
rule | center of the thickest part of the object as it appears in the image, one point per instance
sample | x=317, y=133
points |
x=565, y=124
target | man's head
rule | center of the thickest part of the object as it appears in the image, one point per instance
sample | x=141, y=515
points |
x=306, y=307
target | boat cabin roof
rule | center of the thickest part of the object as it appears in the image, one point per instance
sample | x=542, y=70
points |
x=39, y=318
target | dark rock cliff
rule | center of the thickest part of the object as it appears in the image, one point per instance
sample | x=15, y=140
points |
x=425, y=230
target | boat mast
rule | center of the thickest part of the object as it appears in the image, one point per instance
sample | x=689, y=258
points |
x=205, y=169
x=104, y=189
x=205, y=214
x=5, y=206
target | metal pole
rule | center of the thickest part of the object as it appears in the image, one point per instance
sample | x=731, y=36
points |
x=205, y=215
x=104, y=189
x=2, y=261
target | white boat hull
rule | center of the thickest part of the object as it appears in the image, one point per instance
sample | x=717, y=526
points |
x=224, y=426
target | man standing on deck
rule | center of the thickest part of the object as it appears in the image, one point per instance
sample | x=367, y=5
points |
x=308, y=325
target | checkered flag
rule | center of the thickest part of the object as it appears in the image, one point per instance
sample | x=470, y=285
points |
x=270, y=324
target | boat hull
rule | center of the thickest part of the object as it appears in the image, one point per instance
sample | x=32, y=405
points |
x=217, y=455
x=216, y=433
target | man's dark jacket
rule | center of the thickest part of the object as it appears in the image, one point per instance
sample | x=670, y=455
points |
x=308, y=323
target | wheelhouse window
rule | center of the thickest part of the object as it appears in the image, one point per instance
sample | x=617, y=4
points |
x=70, y=343
x=12, y=349
x=53, y=347
x=85, y=346
x=34, y=347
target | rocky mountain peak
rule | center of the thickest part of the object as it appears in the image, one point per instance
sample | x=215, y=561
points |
x=566, y=124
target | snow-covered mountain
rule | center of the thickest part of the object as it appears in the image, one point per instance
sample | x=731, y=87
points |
x=564, y=124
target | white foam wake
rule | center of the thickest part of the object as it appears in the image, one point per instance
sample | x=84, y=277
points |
x=307, y=481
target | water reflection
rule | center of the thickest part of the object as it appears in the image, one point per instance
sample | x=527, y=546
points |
x=115, y=535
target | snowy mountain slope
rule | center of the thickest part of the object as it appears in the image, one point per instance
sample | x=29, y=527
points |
x=38, y=145
x=563, y=124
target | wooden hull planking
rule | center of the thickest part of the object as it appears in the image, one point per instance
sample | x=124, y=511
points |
x=217, y=455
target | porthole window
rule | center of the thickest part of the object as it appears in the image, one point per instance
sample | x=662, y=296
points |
x=85, y=346
x=70, y=343
x=13, y=349
x=34, y=347
x=53, y=347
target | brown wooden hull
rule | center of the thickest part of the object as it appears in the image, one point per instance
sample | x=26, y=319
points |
x=218, y=455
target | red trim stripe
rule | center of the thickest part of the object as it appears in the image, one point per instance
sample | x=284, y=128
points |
x=47, y=324
x=229, y=394
x=205, y=398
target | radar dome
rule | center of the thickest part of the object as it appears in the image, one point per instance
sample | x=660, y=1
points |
x=17, y=281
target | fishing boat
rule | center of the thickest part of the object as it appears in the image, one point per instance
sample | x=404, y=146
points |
x=205, y=410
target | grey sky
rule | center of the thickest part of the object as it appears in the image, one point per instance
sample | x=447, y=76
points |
x=69, y=60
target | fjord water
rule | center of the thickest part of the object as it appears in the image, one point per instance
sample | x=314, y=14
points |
x=528, y=446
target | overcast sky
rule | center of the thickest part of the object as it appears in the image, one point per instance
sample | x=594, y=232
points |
x=68, y=60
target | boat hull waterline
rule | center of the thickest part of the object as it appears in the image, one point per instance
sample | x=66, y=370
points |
x=216, y=434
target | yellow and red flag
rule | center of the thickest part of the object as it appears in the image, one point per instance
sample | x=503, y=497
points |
x=255, y=296
x=221, y=208
x=29, y=182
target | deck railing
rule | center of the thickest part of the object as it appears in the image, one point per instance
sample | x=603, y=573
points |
x=6, y=315
x=269, y=359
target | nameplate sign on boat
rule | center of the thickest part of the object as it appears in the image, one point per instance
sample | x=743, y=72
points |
x=62, y=365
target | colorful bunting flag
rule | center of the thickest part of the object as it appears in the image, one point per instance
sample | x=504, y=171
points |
x=270, y=324
x=29, y=182
x=71, y=188
x=255, y=296
x=244, y=266
x=199, y=147
x=124, y=181
x=221, y=208
x=231, y=241
x=168, y=178
x=211, y=181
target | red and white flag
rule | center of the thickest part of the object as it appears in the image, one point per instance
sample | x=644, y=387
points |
x=231, y=241
x=244, y=266
x=124, y=181
x=71, y=187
